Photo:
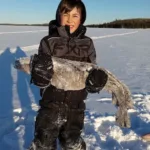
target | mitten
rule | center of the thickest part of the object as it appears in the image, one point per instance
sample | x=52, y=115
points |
x=41, y=70
x=96, y=80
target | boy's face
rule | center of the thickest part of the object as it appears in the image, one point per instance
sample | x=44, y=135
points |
x=72, y=19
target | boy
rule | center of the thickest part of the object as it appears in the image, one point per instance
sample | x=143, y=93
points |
x=61, y=115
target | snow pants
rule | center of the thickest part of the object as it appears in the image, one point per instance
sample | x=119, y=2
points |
x=58, y=121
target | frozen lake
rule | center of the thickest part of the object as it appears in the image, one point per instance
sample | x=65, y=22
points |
x=125, y=52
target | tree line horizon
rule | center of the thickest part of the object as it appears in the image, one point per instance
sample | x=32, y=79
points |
x=118, y=23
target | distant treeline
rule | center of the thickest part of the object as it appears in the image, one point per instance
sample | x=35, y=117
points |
x=127, y=23
x=13, y=24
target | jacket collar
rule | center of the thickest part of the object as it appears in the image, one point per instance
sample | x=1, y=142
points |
x=63, y=31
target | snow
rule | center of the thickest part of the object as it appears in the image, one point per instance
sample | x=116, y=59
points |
x=125, y=52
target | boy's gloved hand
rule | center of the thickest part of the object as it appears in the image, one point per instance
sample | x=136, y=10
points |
x=41, y=70
x=96, y=80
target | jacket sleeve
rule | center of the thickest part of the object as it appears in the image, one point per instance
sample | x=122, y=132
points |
x=44, y=47
x=92, y=53
x=42, y=67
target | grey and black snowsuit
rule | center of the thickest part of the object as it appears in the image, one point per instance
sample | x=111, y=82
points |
x=62, y=112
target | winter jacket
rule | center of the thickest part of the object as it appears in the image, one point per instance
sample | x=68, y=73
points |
x=60, y=43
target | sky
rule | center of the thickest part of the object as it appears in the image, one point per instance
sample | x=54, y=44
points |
x=98, y=11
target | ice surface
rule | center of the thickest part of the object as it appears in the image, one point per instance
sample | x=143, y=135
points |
x=125, y=52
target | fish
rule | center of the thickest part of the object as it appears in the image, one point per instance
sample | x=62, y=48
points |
x=72, y=75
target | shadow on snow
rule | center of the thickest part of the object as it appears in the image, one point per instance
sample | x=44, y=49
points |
x=15, y=93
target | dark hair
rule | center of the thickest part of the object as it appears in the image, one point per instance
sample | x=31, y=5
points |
x=67, y=5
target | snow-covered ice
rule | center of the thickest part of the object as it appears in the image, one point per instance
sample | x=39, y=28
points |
x=125, y=52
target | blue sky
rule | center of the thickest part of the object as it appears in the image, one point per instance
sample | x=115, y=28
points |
x=98, y=11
